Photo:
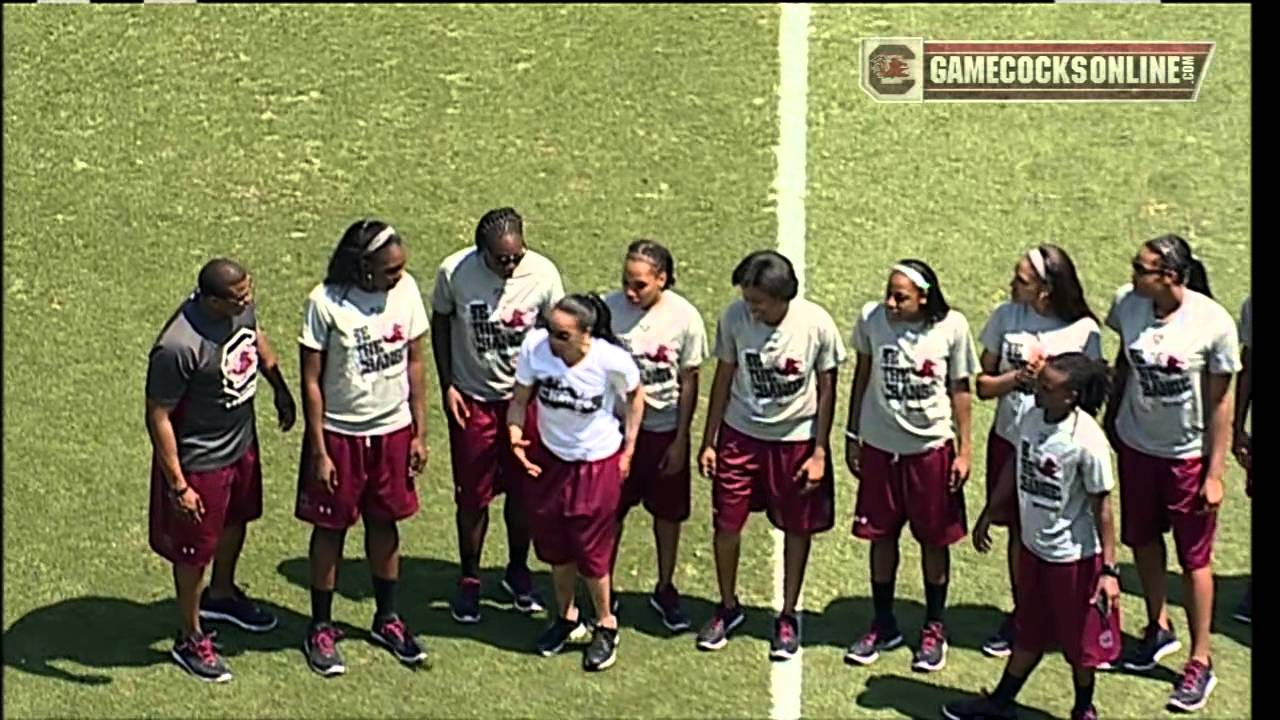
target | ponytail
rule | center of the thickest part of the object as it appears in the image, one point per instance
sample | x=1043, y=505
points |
x=592, y=314
x=1089, y=378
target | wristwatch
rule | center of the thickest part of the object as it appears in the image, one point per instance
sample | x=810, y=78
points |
x=1111, y=571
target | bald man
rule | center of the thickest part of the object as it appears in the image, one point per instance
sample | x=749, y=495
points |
x=206, y=481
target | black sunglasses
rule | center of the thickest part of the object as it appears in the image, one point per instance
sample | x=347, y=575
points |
x=1140, y=269
x=508, y=259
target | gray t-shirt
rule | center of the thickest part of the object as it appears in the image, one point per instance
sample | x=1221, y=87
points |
x=1246, y=323
x=774, y=395
x=1013, y=334
x=906, y=408
x=491, y=316
x=1162, y=412
x=663, y=340
x=1059, y=465
x=208, y=370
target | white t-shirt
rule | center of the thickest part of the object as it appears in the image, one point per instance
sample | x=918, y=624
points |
x=365, y=337
x=1162, y=412
x=774, y=395
x=1013, y=333
x=1059, y=465
x=576, y=418
x=906, y=408
x=491, y=316
x=663, y=340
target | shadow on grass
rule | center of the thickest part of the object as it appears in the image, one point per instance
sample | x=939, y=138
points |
x=919, y=699
x=1228, y=591
x=108, y=633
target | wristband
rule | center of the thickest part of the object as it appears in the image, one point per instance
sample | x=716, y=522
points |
x=1111, y=571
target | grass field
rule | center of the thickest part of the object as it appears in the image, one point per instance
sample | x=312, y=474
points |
x=139, y=141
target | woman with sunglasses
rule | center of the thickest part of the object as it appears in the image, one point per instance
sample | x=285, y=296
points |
x=364, y=400
x=486, y=300
x=1046, y=315
x=908, y=444
x=1170, y=421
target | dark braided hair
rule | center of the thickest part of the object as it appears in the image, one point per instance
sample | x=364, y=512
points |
x=497, y=224
x=347, y=266
x=1090, y=379
x=1176, y=257
x=592, y=314
x=656, y=255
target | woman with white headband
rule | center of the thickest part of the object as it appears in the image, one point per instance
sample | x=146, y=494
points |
x=909, y=444
x=364, y=400
x=1046, y=315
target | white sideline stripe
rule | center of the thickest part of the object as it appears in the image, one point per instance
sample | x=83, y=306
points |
x=785, y=678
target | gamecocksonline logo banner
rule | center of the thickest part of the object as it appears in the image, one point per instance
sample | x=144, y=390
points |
x=919, y=70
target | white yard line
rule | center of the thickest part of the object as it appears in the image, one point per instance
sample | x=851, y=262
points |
x=785, y=678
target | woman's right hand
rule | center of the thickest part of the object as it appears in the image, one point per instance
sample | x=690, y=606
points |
x=323, y=472
x=853, y=456
x=707, y=462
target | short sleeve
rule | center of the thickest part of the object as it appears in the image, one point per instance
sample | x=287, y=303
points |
x=316, y=322
x=693, y=348
x=1246, y=322
x=831, y=350
x=862, y=331
x=1093, y=341
x=992, y=337
x=625, y=372
x=555, y=289
x=419, y=324
x=442, y=293
x=963, y=360
x=169, y=372
x=524, y=360
x=726, y=344
x=1224, y=348
x=1095, y=469
x=1113, y=314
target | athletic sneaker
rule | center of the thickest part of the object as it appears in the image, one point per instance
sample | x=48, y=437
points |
x=392, y=632
x=559, y=633
x=198, y=655
x=321, y=648
x=519, y=585
x=1244, y=611
x=877, y=640
x=983, y=708
x=715, y=634
x=465, y=607
x=932, y=655
x=1091, y=713
x=786, y=638
x=238, y=610
x=666, y=602
x=602, y=653
x=1001, y=644
x=1193, y=688
x=1156, y=643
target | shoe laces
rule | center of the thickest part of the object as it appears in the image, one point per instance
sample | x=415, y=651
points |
x=786, y=629
x=204, y=648
x=325, y=637
x=1191, y=675
x=931, y=637
x=394, y=627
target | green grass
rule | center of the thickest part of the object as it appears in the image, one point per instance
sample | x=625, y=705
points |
x=141, y=141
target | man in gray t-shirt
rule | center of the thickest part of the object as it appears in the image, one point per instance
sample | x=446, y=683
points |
x=206, y=480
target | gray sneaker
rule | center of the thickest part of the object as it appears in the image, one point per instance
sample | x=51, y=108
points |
x=198, y=655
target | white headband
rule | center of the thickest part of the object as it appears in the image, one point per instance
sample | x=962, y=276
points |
x=380, y=240
x=1037, y=261
x=913, y=275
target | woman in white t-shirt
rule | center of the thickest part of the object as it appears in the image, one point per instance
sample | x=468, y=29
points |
x=1060, y=476
x=909, y=445
x=577, y=465
x=364, y=400
x=665, y=336
x=1170, y=421
x=1046, y=315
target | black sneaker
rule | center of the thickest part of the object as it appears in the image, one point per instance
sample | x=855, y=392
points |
x=666, y=602
x=1244, y=611
x=321, y=648
x=393, y=633
x=715, y=634
x=465, y=607
x=519, y=585
x=602, y=653
x=1089, y=713
x=1156, y=643
x=1193, y=688
x=932, y=654
x=1001, y=644
x=560, y=633
x=983, y=708
x=238, y=610
x=786, y=638
x=198, y=655
x=877, y=640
